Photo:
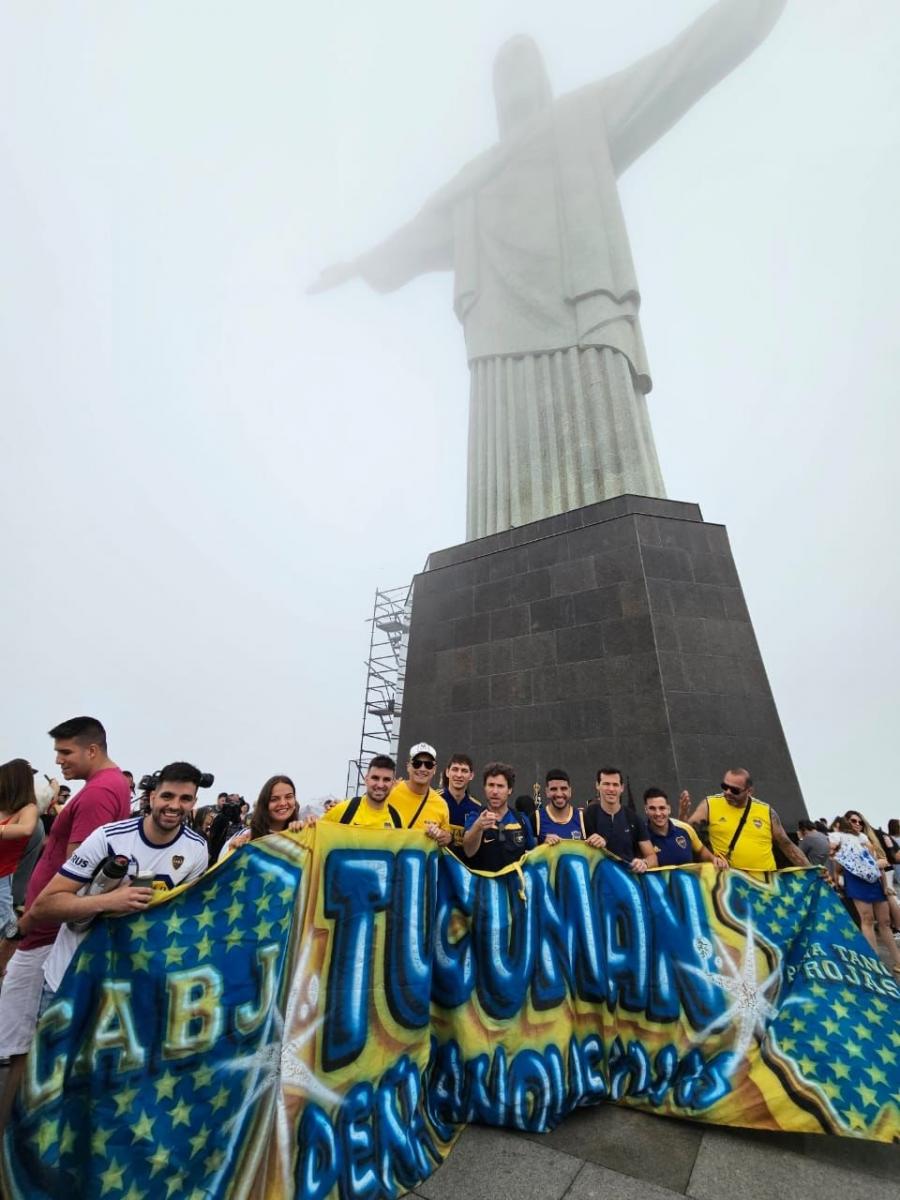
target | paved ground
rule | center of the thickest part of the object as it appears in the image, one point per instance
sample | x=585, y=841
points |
x=610, y=1153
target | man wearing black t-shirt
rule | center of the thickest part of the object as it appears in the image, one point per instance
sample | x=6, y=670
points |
x=609, y=826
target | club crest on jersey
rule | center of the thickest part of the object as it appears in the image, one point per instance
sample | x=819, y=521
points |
x=757, y=822
x=177, y=860
x=681, y=841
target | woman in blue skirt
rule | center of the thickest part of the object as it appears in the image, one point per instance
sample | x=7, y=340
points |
x=864, y=883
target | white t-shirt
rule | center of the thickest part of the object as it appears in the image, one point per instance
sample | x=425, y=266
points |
x=179, y=861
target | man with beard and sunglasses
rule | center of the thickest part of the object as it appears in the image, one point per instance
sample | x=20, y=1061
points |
x=419, y=805
x=742, y=829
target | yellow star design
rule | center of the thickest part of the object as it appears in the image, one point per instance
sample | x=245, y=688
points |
x=776, y=927
x=818, y=991
x=840, y=1010
x=158, y=1159
x=262, y=904
x=888, y=1057
x=841, y=1070
x=174, y=1183
x=140, y=960
x=781, y=911
x=895, y=1038
x=181, y=1114
x=808, y=1007
x=263, y=930
x=831, y=1090
x=143, y=1127
x=206, y=919
x=875, y=1018
x=197, y=1194
x=47, y=1135
x=174, y=955
x=240, y=884
x=99, y=1138
x=83, y=963
x=863, y=1033
x=876, y=1074
x=233, y=911
x=233, y=938
x=204, y=947
x=202, y=1077
x=819, y=1045
x=67, y=1141
x=213, y=1162
x=111, y=1177
x=140, y=929
x=830, y=1027
x=286, y=894
x=797, y=1025
x=880, y=1005
x=165, y=1086
x=847, y=995
x=200, y=1140
x=788, y=1045
x=855, y=1119
x=134, y=1193
x=828, y=916
x=867, y=1095
x=853, y=1050
x=806, y=1065
x=220, y=1099
x=174, y=923
x=124, y=1100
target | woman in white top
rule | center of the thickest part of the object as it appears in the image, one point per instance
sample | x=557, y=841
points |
x=863, y=883
x=275, y=812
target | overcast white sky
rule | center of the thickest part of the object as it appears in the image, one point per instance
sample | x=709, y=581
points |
x=206, y=473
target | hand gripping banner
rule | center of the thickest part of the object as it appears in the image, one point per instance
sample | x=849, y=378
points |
x=320, y=1016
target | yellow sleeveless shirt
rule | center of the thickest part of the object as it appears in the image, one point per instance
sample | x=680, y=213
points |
x=753, y=849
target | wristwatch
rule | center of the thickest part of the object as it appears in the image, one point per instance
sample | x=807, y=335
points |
x=12, y=932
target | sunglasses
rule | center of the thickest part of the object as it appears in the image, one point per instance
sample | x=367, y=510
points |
x=419, y=763
x=732, y=791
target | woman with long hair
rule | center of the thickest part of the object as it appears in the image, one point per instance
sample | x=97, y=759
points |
x=876, y=841
x=18, y=818
x=857, y=856
x=275, y=811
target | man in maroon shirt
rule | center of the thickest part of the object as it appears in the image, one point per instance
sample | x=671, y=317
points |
x=80, y=746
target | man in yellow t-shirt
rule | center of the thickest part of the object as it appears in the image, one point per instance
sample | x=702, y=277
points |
x=419, y=805
x=371, y=810
x=747, y=846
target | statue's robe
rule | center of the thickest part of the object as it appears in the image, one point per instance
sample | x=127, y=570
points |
x=545, y=285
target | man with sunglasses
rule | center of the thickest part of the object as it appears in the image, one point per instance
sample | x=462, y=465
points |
x=741, y=829
x=419, y=805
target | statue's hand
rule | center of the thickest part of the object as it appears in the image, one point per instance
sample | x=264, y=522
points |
x=333, y=277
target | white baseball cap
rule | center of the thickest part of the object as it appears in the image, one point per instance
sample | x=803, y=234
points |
x=422, y=748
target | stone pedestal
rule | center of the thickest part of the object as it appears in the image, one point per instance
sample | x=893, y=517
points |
x=615, y=634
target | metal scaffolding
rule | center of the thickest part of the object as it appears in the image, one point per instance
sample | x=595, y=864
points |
x=386, y=667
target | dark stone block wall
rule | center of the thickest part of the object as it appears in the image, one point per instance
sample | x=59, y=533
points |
x=616, y=634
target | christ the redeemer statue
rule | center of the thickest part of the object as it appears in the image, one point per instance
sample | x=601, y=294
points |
x=545, y=286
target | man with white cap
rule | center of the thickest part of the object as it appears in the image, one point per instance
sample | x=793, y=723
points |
x=419, y=805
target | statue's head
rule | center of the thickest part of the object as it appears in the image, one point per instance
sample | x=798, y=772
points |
x=521, y=84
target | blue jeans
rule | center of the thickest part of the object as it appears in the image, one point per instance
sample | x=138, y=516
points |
x=7, y=912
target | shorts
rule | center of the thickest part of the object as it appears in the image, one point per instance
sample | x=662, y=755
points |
x=7, y=912
x=20, y=997
x=862, y=890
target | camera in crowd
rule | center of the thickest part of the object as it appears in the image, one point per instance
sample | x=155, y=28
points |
x=149, y=783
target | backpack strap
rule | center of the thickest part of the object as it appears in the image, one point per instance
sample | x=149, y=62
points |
x=580, y=812
x=737, y=833
x=415, y=815
x=537, y=824
x=350, y=811
x=395, y=817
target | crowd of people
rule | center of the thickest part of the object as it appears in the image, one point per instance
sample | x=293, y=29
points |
x=112, y=846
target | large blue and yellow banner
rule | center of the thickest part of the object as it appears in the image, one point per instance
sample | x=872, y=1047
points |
x=322, y=1014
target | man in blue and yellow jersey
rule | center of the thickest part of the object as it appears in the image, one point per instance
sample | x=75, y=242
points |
x=559, y=820
x=497, y=836
x=458, y=774
x=741, y=828
x=675, y=842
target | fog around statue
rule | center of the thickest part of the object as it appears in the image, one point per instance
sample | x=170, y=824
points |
x=545, y=286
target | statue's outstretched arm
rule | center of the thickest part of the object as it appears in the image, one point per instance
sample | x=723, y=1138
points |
x=424, y=244
x=645, y=100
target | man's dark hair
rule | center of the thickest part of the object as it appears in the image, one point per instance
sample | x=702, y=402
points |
x=653, y=792
x=611, y=771
x=805, y=826
x=461, y=758
x=384, y=761
x=557, y=773
x=179, y=772
x=748, y=782
x=503, y=769
x=129, y=775
x=221, y=794
x=86, y=731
